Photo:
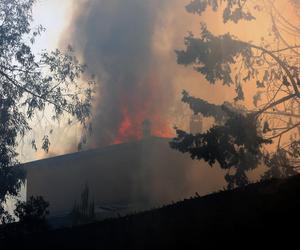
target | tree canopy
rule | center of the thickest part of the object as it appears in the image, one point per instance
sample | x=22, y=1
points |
x=246, y=136
x=29, y=83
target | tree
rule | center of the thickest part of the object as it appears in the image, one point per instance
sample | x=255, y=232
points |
x=246, y=136
x=29, y=83
x=32, y=214
x=84, y=212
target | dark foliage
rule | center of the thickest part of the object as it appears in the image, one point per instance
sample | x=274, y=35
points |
x=279, y=165
x=30, y=218
x=233, y=9
x=33, y=211
x=234, y=144
x=203, y=107
x=212, y=55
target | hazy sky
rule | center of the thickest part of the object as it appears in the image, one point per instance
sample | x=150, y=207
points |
x=54, y=15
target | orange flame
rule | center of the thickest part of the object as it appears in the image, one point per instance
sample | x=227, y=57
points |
x=130, y=127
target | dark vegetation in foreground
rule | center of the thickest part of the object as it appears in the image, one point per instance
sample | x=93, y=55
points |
x=262, y=213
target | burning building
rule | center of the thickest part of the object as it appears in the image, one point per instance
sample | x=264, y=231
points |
x=129, y=47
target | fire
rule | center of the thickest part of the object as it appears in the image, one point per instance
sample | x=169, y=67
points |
x=131, y=128
x=127, y=129
x=134, y=113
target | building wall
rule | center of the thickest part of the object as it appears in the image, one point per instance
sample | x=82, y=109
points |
x=140, y=174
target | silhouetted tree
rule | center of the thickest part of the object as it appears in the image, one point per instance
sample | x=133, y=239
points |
x=240, y=139
x=32, y=214
x=29, y=84
x=84, y=212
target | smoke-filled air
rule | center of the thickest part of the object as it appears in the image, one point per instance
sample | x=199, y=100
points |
x=149, y=124
x=119, y=40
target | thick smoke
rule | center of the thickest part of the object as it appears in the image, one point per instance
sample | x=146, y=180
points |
x=129, y=46
x=116, y=39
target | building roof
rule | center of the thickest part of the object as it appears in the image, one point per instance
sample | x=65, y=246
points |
x=144, y=173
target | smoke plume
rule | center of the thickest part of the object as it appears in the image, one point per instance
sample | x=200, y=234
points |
x=117, y=38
